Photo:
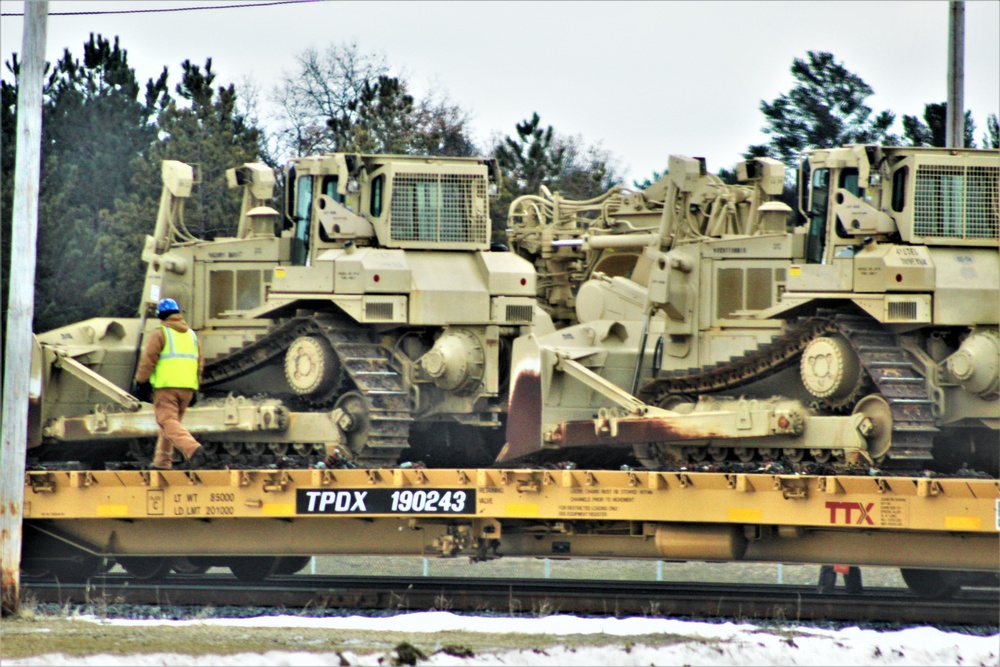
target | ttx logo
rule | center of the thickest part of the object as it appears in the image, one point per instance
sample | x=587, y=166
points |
x=849, y=509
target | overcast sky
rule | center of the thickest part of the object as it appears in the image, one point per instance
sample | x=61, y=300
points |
x=642, y=79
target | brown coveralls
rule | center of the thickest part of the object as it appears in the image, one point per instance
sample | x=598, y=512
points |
x=169, y=403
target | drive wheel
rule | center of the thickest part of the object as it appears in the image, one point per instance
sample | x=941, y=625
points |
x=147, y=568
x=311, y=367
x=832, y=372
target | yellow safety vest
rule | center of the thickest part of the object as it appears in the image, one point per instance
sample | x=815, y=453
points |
x=178, y=365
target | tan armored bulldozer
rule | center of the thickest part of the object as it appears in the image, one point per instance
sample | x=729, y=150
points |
x=369, y=321
x=702, y=324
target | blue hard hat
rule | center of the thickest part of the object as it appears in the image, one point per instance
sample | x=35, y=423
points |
x=167, y=307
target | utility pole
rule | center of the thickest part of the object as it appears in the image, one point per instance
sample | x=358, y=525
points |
x=21, y=304
x=955, y=117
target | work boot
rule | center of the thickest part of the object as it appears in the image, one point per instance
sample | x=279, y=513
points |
x=197, y=460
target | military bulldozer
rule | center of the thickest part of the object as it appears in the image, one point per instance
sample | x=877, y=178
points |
x=369, y=321
x=705, y=322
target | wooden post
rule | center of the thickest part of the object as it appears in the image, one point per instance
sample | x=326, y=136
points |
x=21, y=304
x=955, y=115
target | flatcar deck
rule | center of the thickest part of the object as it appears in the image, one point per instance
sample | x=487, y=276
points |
x=915, y=522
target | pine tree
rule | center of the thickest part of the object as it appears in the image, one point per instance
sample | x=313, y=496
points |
x=933, y=131
x=95, y=119
x=206, y=130
x=825, y=108
x=539, y=156
x=992, y=137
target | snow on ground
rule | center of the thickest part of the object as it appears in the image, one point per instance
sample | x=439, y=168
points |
x=696, y=643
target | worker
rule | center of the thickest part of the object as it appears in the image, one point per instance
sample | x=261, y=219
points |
x=172, y=364
x=828, y=578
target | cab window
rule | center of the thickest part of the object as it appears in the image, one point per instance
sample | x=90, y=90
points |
x=375, y=204
x=816, y=240
x=899, y=179
x=849, y=182
x=330, y=189
x=303, y=215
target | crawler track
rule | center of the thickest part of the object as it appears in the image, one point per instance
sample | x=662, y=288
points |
x=382, y=405
x=533, y=596
x=889, y=370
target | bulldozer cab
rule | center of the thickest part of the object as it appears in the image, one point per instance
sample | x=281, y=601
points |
x=854, y=195
x=818, y=207
x=342, y=200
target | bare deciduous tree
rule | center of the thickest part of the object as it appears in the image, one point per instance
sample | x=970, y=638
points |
x=323, y=87
x=345, y=100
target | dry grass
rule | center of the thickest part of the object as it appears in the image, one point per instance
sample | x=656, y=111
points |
x=35, y=636
x=33, y=633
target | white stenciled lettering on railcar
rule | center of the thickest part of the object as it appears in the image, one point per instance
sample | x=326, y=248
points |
x=342, y=501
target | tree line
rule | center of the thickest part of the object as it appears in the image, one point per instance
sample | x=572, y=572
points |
x=104, y=135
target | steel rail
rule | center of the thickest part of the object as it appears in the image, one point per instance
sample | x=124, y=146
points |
x=536, y=597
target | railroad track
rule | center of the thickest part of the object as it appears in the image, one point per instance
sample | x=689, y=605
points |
x=530, y=596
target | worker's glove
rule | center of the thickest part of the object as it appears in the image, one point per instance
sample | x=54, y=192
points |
x=143, y=391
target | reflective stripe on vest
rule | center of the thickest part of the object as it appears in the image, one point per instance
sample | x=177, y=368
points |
x=178, y=365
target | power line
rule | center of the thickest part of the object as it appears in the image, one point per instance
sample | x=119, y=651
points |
x=171, y=9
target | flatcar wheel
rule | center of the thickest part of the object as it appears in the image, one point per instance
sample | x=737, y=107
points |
x=147, y=568
x=931, y=584
x=34, y=570
x=291, y=564
x=253, y=568
x=184, y=565
x=76, y=569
